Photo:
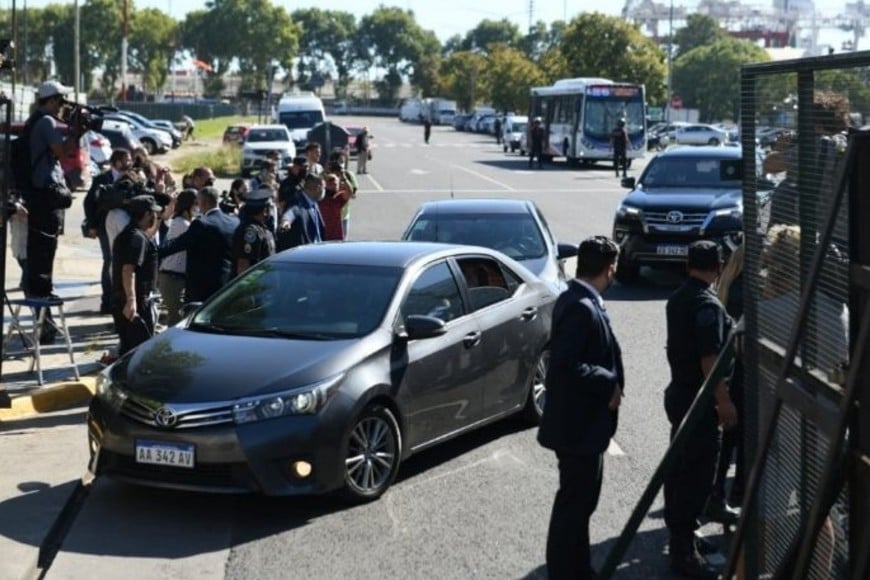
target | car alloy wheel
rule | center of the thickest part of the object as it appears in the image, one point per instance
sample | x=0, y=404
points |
x=538, y=389
x=149, y=146
x=372, y=454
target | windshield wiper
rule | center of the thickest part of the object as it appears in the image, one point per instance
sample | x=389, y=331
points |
x=282, y=333
x=207, y=326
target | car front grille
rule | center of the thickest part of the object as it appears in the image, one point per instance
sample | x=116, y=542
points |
x=188, y=416
x=655, y=219
x=233, y=477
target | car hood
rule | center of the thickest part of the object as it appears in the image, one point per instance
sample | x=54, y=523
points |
x=299, y=135
x=185, y=366
x=268, y=145
x=683, y=198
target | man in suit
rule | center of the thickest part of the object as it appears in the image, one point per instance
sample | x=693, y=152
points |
x=302, y=223
x=584, y=389
x=120, y=163
x=209, y=245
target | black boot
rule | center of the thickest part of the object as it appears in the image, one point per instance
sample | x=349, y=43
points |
x=687, y=562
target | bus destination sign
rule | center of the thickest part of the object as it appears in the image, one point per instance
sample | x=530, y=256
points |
x=620, y=91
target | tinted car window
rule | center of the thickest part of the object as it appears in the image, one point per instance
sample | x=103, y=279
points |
x=486, y=282
x=694, y=172
x=434, y=293
x=267, y=135
x=515, y=235
x=332, y=301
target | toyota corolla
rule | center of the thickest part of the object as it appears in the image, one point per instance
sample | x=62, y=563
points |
x=323, y=368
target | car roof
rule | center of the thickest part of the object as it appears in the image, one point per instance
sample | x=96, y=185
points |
x=269, y=126
x=703, y=152
x=471, y=206
x=391, y=254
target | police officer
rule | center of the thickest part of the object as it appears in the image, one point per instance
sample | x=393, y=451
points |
x=619, y=142
x=698, y=327
x=253, y=240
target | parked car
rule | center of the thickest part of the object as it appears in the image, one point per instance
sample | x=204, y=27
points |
x=684, y=194
x=513, y=130
x=235, y=134
x=459, y=121
x=323, y=393
x=120, y=135
x=516, y=228
x=769, y=135
x=99, y=147
x=699, y=134
x=263, y=139
x=170, y=129
x=153, y=140
x=353, y=131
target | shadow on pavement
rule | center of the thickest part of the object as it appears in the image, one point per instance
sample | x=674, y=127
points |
x=46, y=421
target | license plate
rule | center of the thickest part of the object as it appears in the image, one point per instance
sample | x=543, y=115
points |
x=164, y=453
x=672, y=250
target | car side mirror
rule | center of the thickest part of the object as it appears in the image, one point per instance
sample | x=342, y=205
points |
x=565, y=251
x=189, y=308
x=628, y=182
x=419, y=326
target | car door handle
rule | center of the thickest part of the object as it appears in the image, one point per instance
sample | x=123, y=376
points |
x=530, y=313
x=471, y=339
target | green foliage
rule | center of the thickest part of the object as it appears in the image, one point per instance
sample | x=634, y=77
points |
x=465, y=78
x=225, y=160
x=511, y=76
x=708, y=77
x=327, y=41
x=540, y=40
x=700, y=30
x=596, y=45
x=152, y=46
x=491, y=32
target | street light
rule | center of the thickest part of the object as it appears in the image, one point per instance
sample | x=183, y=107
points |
x=670, y=60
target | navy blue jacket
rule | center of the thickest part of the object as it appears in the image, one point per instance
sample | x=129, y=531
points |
x=209, y=245
x=307, y=226
x=585, y=366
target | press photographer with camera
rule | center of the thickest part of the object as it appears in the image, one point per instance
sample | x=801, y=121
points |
x=46, y=195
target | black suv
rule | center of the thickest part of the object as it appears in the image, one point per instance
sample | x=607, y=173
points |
x=684, y=194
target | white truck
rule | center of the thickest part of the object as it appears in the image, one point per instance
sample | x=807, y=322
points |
x=300, y=112
x=411, y=110
x=442, y=111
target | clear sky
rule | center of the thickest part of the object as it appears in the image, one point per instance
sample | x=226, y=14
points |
x=449, y=17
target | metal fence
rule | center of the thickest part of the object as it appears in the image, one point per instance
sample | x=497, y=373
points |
x=799, y=328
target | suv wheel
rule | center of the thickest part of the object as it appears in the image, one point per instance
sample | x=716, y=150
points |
x=627, y=271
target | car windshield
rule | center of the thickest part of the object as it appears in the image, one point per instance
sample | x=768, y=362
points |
x=693, y=172
x=519, y=127
x=515, y=235
x=300, y=119
x=260, y=135
x=315, y=301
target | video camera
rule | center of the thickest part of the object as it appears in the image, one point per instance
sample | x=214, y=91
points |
x=227, y=204
x=83, y=118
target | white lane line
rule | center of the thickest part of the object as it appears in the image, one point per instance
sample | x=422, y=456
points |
x=375, y=183
x=419, y=172
x=614, y=449
x=483, y=177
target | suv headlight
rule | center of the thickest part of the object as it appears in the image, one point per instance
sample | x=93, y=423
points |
x=627, y=211
x=306, y=400
x=735, y=212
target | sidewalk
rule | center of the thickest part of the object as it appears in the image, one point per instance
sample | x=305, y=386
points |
x=76, y=279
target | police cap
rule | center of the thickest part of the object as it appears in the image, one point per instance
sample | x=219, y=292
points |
x=259, y=196
x=705, y=255
x=142, y=204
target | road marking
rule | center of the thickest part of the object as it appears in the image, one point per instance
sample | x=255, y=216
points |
x=375, y=183
x=419, y=172
x=614, y=449
x=491, y=192
x=483, y=177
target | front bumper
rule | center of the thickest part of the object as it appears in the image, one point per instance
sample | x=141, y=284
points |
x=229, y=458
x=660, y=250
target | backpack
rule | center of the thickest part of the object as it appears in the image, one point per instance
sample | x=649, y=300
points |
x=20, y=164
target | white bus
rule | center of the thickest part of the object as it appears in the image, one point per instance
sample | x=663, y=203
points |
x=579, y=114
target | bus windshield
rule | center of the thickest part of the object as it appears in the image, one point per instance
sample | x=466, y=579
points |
x=602, y=113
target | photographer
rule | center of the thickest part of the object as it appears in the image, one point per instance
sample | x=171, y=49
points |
x=95, y=217
x=47, y=194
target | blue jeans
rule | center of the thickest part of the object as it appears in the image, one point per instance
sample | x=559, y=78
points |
x=106, y=273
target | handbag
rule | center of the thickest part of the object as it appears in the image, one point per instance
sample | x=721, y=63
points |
x=369, y=154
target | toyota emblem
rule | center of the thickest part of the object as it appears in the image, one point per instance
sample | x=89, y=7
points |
x=165, y=417
x=675, y=217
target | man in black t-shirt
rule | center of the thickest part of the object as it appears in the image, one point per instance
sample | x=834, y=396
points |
x=619, y=142
x=134, y=274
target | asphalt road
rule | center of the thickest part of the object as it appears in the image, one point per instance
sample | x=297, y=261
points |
x=476, y=507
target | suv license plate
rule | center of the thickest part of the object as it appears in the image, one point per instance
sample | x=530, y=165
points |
x=165, y=453
x=672, y=250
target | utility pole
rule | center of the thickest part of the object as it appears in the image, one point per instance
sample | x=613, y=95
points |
x=531, y=14
x=24, y=52
x=77, y=52
x=670, y=60
x=124, y=51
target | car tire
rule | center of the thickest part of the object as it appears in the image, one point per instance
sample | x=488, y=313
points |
x=537, y=392
x=627, y=271
x=149, y=145
x=505, y=148
x=372, y=453
x=523, y=152
x=713, y=141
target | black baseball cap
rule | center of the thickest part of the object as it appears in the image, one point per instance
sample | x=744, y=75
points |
x=705, y=255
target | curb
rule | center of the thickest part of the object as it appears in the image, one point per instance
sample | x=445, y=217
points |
x=51, y=398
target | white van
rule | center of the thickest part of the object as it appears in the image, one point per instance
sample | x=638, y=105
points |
x=300, y=113
x=513, y=131
x=411, y=110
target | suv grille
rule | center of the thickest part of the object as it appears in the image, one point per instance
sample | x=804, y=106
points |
x=674, y=218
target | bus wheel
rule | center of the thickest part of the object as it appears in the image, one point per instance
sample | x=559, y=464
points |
x=565, y=146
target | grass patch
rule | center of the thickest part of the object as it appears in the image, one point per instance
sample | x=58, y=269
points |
x=214, y=128
x=225, y=160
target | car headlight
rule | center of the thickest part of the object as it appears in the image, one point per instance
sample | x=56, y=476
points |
x=627, y=211
x=306, y=400
x=735, y=212
x=109, y=391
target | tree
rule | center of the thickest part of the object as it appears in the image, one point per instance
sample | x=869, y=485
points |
x=596, y=45
x=700, y=30
x=540, y=39
x=490, y=32
x=391, y=39
x=152, y=46
x=327, y=45
x=511, y=75
x=708, y=77
x=465, y=78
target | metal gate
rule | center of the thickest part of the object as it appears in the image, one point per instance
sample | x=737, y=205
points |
x=807, y=174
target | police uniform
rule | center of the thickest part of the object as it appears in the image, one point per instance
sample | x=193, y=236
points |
x=253, y=240
x=697, y=326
